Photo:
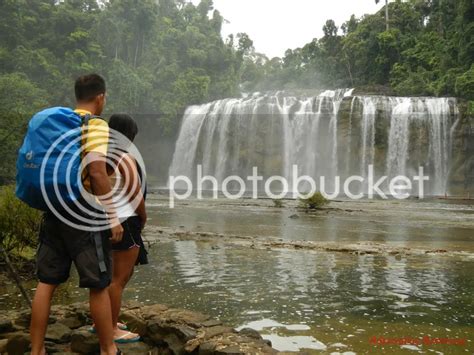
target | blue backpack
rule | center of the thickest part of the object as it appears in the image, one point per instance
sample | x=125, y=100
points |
x=49, y=161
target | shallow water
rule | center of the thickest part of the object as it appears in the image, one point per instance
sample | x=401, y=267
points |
x=299, y=299
x=440, y=223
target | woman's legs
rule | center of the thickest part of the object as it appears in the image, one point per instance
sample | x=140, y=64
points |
x=123, y=264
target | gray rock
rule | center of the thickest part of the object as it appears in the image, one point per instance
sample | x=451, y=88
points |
x=6, y=325
x=18, y=344
x=58, y=333
x=230, y=350
x=251, y=333
x=3, y=346
x=134, y=322
x=216, y=331
x=23, y=319
x=72, y=322
x=84, y=342
x=139, y=348
x=211, y=323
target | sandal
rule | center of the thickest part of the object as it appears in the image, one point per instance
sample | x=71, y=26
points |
x=123, y=340
x=121, y=326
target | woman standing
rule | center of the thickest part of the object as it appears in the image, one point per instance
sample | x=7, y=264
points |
x=129, y=197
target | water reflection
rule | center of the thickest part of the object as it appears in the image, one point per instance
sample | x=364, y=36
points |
x=325, y=298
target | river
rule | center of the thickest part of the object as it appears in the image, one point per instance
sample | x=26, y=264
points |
x=312, y=300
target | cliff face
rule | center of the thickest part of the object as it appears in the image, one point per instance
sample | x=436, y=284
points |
x=397, y=135
x=334, y=133
x=461, y=177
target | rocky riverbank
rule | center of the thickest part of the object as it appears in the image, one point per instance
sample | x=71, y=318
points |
x=164, y=330
x=274, y=243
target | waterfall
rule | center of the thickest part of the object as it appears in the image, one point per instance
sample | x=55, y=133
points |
x=368, y=133
x=320, y=134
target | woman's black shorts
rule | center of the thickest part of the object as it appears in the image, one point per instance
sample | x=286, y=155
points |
x=132, y=238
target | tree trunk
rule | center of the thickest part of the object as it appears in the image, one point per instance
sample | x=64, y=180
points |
x=386, y=15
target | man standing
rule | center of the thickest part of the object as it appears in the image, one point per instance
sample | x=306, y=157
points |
x=63, y=243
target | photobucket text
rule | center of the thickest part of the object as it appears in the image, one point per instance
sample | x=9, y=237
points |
x=298, y=186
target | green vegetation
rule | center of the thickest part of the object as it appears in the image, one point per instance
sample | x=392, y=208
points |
x=278, y=203
x=160, y=56
x=428, y=49
x=314, y=202
x=19, y=224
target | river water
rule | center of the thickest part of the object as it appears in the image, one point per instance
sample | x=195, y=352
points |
x=307, y=300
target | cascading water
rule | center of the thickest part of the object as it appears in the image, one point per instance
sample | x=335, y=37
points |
x=328, y=135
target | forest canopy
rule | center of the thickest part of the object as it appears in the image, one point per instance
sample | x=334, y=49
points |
x=159, y=57
x=427, y=50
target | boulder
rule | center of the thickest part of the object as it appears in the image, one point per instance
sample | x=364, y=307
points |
x=251, y=333
x=72, y=322
x=84, y=342
x=3, y=346
x=6, y=325
x=18, y=344
x=139, y=348
x=58, y=333
x=134, y=321
x=23, y=319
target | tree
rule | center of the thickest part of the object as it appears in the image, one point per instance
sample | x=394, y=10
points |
x=386, y=14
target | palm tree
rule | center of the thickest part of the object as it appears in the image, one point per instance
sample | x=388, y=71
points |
x=386, y=13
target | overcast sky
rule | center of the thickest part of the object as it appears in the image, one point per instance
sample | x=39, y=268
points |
x=276, y=25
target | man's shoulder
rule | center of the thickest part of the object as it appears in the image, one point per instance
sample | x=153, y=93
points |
x=98, y=121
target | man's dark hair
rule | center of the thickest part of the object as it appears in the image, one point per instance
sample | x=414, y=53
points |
x=87, y=87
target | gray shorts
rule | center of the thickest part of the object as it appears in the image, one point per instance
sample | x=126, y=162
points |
x=61, y=245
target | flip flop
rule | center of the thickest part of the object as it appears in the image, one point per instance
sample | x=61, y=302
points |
x=121, y=326
x=123, y=340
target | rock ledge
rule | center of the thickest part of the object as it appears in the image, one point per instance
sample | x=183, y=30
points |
x=164, y=330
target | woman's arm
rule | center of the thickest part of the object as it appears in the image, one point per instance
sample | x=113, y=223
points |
x=128, y=169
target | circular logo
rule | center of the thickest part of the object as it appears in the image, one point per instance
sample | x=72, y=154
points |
x=105, y=150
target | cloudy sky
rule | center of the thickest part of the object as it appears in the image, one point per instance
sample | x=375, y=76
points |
x=276, y=25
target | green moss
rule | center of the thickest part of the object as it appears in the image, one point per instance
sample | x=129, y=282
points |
x=314, y=202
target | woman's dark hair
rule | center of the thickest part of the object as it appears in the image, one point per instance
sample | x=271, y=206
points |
x=124, y=124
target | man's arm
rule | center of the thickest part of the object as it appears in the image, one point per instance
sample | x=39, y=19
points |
x=100, y=186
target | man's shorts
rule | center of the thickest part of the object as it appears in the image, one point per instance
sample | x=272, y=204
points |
x=61, y=245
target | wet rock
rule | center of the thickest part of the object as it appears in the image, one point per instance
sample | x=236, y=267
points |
x=3, y=346
x=175, y=335
x=133, y=304
x=23, y=319
x=58, y=333
x=193, y=319
x=153, y=310
x=84, y=342
x=294, y=216
x=215, y=331
x=230, y=350
x=72, y=322
x=251, y=333
x=54, y=348
x=18, y=344
x=164, y=330
x=134, y=321
x=211, y=323
x=139, y=348
x=6, y=325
